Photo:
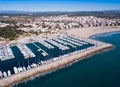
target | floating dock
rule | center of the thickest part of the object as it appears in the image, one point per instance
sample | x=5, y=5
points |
x=77, y=44
x=40, y=49
x=5, y=52
x=78, y=41
x=74, y=46
x=60, y=46
x=46, y=45
x=27, y=53
x=65, y=43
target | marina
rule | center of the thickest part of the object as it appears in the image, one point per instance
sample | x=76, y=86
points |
x=59, y=43
x=28, y=56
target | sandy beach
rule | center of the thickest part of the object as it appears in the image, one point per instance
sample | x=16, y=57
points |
x=87, y=32
x=82, y=32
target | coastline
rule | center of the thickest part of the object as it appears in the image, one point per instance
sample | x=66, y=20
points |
x=9, y=81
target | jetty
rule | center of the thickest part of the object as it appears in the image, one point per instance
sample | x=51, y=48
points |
x=5, y=52
x=75, y=40
x=72, y=45
x=77, y=44
x=60, y=46
x=65, y=43
x=27, y=53
x=46, y=44
x=44, y=53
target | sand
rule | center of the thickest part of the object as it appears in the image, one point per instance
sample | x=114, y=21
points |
x=83, y=32
x=87, y=32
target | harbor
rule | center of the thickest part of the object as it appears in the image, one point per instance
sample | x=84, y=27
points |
x=39, y=57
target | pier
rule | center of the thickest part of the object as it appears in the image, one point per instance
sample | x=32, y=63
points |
x=60, y=46
x=39, y=49
x=5, y=53
x=65, y=43
x=74, y=46
x=78, y=41
x=27, y=53
x=77, y=44
x=46, y=44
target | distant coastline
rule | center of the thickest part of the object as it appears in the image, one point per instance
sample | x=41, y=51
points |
x=106, y=34
x=105, y=13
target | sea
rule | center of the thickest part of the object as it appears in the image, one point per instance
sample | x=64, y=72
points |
x=100, y=70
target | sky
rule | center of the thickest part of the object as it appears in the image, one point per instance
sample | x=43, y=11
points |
x=59, y=5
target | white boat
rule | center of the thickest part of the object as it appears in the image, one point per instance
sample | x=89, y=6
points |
x=1, y=75
x=24, y=68
x=4, y=74
x=20, y=69
x=39, y=49
x=9, y=73
x=28, y=67
x=34, y=65
x=15, y=70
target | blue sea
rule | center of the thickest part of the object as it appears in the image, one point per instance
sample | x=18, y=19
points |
x=100, y=70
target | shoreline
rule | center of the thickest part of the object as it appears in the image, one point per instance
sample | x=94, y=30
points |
x=85, y=32
x=61, y=63
x=106, y=34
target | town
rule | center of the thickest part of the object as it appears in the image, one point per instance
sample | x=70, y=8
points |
x=23, y=25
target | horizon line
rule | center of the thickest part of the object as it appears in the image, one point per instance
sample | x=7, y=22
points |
x=59, y=10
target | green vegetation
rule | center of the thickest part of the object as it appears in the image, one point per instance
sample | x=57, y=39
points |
x=10, y=32
x=34, y=32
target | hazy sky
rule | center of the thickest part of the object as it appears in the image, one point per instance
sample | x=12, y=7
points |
x=59, y=5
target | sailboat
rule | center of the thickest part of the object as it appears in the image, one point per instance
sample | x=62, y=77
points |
x=15, y=70
x=4, y=74
x=29, y=67
x=1, y=75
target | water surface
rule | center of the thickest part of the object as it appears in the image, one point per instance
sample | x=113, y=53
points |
x=101, y=70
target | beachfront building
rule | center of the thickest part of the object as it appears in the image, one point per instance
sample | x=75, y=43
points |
x=54, y=23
